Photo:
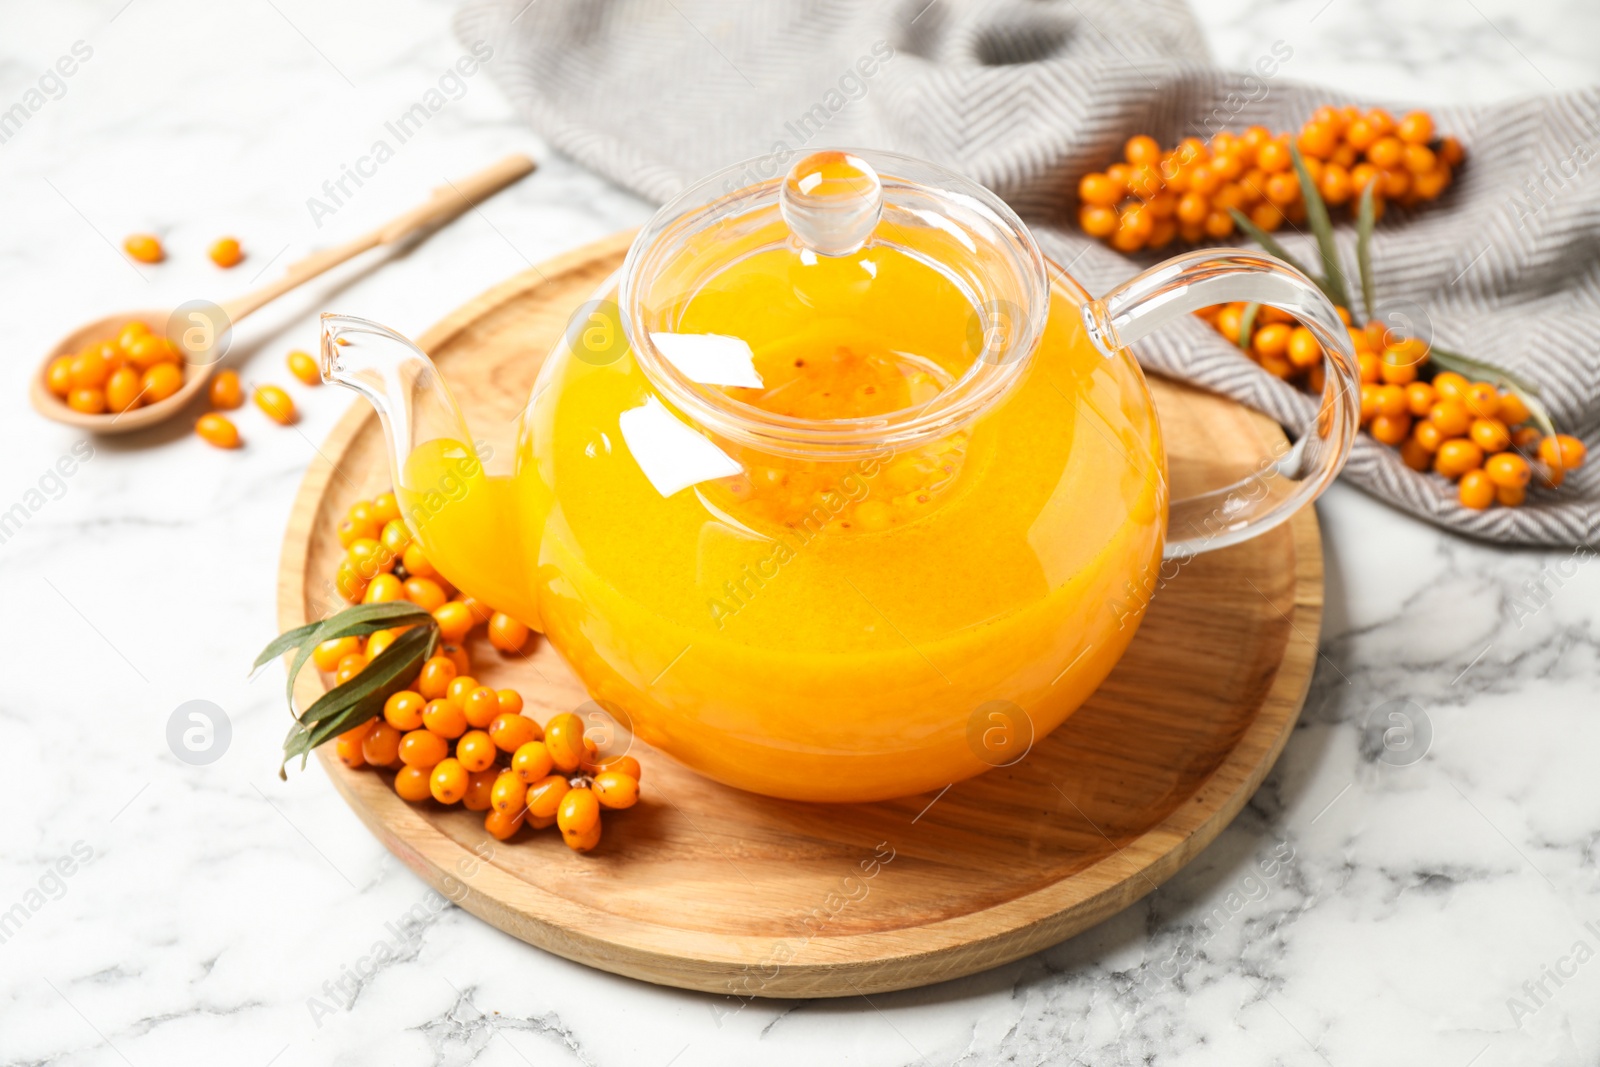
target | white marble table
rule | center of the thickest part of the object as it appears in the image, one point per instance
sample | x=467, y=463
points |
x=206, y=907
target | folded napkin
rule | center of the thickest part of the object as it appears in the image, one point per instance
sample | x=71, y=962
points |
x=1026, y=96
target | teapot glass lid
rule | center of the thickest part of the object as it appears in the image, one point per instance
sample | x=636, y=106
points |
x=859, y=300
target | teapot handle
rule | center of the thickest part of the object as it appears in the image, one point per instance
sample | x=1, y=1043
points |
x=1278, y=488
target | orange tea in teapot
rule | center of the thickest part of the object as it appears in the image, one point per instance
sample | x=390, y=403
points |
x=831, y=494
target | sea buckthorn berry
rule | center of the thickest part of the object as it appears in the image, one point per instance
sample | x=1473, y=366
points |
x=1370, y=368
x=1525, y=438
x=382, y=745
x=1267, y=216
x=1304, y=351
x=160, y=382
x=395, y=537
x=1482, y=399
x=1450, y=152
x=457, y=655
x=352, y=661
x=144, y=247
x=1386, y=153
x=225, y=252
x=1271, y=341
x=1283, y=188
x=544, y=796
x=1395, y=183
x=1162, y=233
x=59, y=376
x=622, y=765
x=1563, y=452
x=1100, y=190
x=123, y=390
x=480, y=611
x=1457, y=456
x=276, y=403
x=459, y=687
x=1317, y=139
x=1390, y=429
x=1369, y=401
x=510, y=793
x=1490, y=435
x=1219, y=224
x=403, y=710
x=1097, y=220
x=349, y=583
x=411, y=783
x=1420, y=398
x=615, y=789
x=1397, y=368
x=1414, y=455
x=476, y=750
x=1510, y=496
x=423, y=748
x=578, y=811
x=1513, y=411
x=501, y=826
x=1450, y=385
x=445, y=718
x=480, y=787
x=216, y=430
x=1429, y=184
x=454, y=620
x=1334, y=184
x=1450, y=417
x=1476, y=491
x=1391, y=400
x=89, y=369
x=1508, y=469
x=1416, y=128
x=532, y=762
x=416, y=563
x=511, y=703
x=147, y=351
x=383, y=589
x=425, y=594
x=448, y=782
x=226, y=393
x=370, y=556
x=1419, y=159
x=1141, y=150
x=437, y=674
x=563, y=736
x=348, y=747
x=1229, y=322
x=327, y=654
x=385, y=508
x=511, y=732
x=480, y=707
x=379, y=641
x=302, y=366
x=1193, y=208
x=1360, y=134
x=506, y=633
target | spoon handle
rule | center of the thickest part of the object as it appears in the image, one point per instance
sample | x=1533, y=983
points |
x=448, y=201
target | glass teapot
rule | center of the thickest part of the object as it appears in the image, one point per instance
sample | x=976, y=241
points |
x=839, y=490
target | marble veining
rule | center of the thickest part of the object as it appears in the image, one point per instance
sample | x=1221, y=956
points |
x=1438, y=905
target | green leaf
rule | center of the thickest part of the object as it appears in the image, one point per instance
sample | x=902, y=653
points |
x=362, y=698
x=1333, y=282
x=1247, y=324
x=1364, y=223
x=284, y=642
x=1267, y=241
x=358, y=621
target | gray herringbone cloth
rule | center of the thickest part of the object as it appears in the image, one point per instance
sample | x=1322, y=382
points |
x=1025, y=96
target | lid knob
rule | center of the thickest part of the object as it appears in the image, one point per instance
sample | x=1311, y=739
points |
x=831, y=202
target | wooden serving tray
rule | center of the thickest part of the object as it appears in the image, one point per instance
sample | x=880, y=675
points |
x=704, y=887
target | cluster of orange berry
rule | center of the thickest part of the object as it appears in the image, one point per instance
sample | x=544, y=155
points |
x=227, y=394
x=1471, y=432
x=1188, y=190
x=147, y=248
x=118, y=374
x=448, y=737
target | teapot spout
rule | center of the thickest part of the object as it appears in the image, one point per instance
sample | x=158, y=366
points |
x=398, y=379
x=463, y=518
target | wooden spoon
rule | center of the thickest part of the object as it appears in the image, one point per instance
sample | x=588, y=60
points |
x=445, y=204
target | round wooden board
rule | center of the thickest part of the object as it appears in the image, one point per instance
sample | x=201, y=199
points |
x=704, y=887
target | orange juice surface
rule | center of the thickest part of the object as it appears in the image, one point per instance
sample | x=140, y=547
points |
x=839, y=629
